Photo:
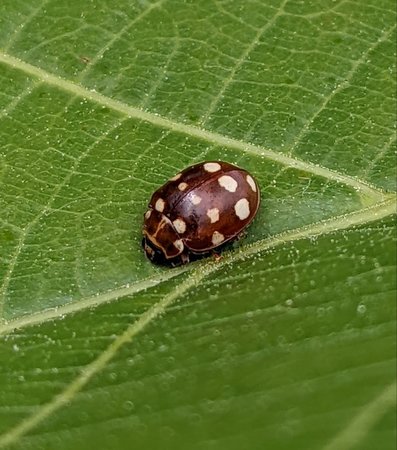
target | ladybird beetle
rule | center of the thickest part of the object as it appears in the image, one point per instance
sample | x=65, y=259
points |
x=198, y=210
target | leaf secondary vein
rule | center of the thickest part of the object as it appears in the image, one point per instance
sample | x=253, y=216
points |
x=376, y=195
x=90, y=302
x=357, y=429
x=117, y=36
x=344, y=84
x=18, y=29
x=26, y=231
x=201, y=271
x=240, y=62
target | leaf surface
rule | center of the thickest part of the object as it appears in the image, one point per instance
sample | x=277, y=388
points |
x=289, y=340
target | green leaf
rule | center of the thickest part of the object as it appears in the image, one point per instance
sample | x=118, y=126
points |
x=289, y=340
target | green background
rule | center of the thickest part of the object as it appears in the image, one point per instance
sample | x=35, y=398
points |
x=289, y=340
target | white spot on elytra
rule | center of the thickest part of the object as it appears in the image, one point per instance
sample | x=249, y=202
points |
x=227, y=182
x=178, y=244
x=180, y=225
x=182, y=186
x=251, y=182
x=160, y=204
x=213, y=214
x=212, y=167
x=242, y=208
x=217, y=238
x=195, y=199
x=176, y=177
x=148, y=213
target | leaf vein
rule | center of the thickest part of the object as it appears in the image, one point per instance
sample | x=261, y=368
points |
x=358, y=428
x=240, y=61
x=26, y=231
x=190, y=130
x=117, y=36
x=340, y=87
x=201, y=271
x=23, y=25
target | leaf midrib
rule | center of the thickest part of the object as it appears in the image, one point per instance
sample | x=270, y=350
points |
x=199, y=272
x=360, y=217
x=366, y=189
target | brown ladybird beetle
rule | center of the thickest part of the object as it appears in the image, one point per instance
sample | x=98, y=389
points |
x=198, y=210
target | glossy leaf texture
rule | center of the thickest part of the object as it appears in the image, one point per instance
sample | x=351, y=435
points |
x=288, y=341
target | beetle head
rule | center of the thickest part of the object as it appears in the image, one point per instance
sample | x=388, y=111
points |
x=161, y=242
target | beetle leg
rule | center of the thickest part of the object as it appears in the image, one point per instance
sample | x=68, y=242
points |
x=217, y=256
x=241, y=235
x=184, y=258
